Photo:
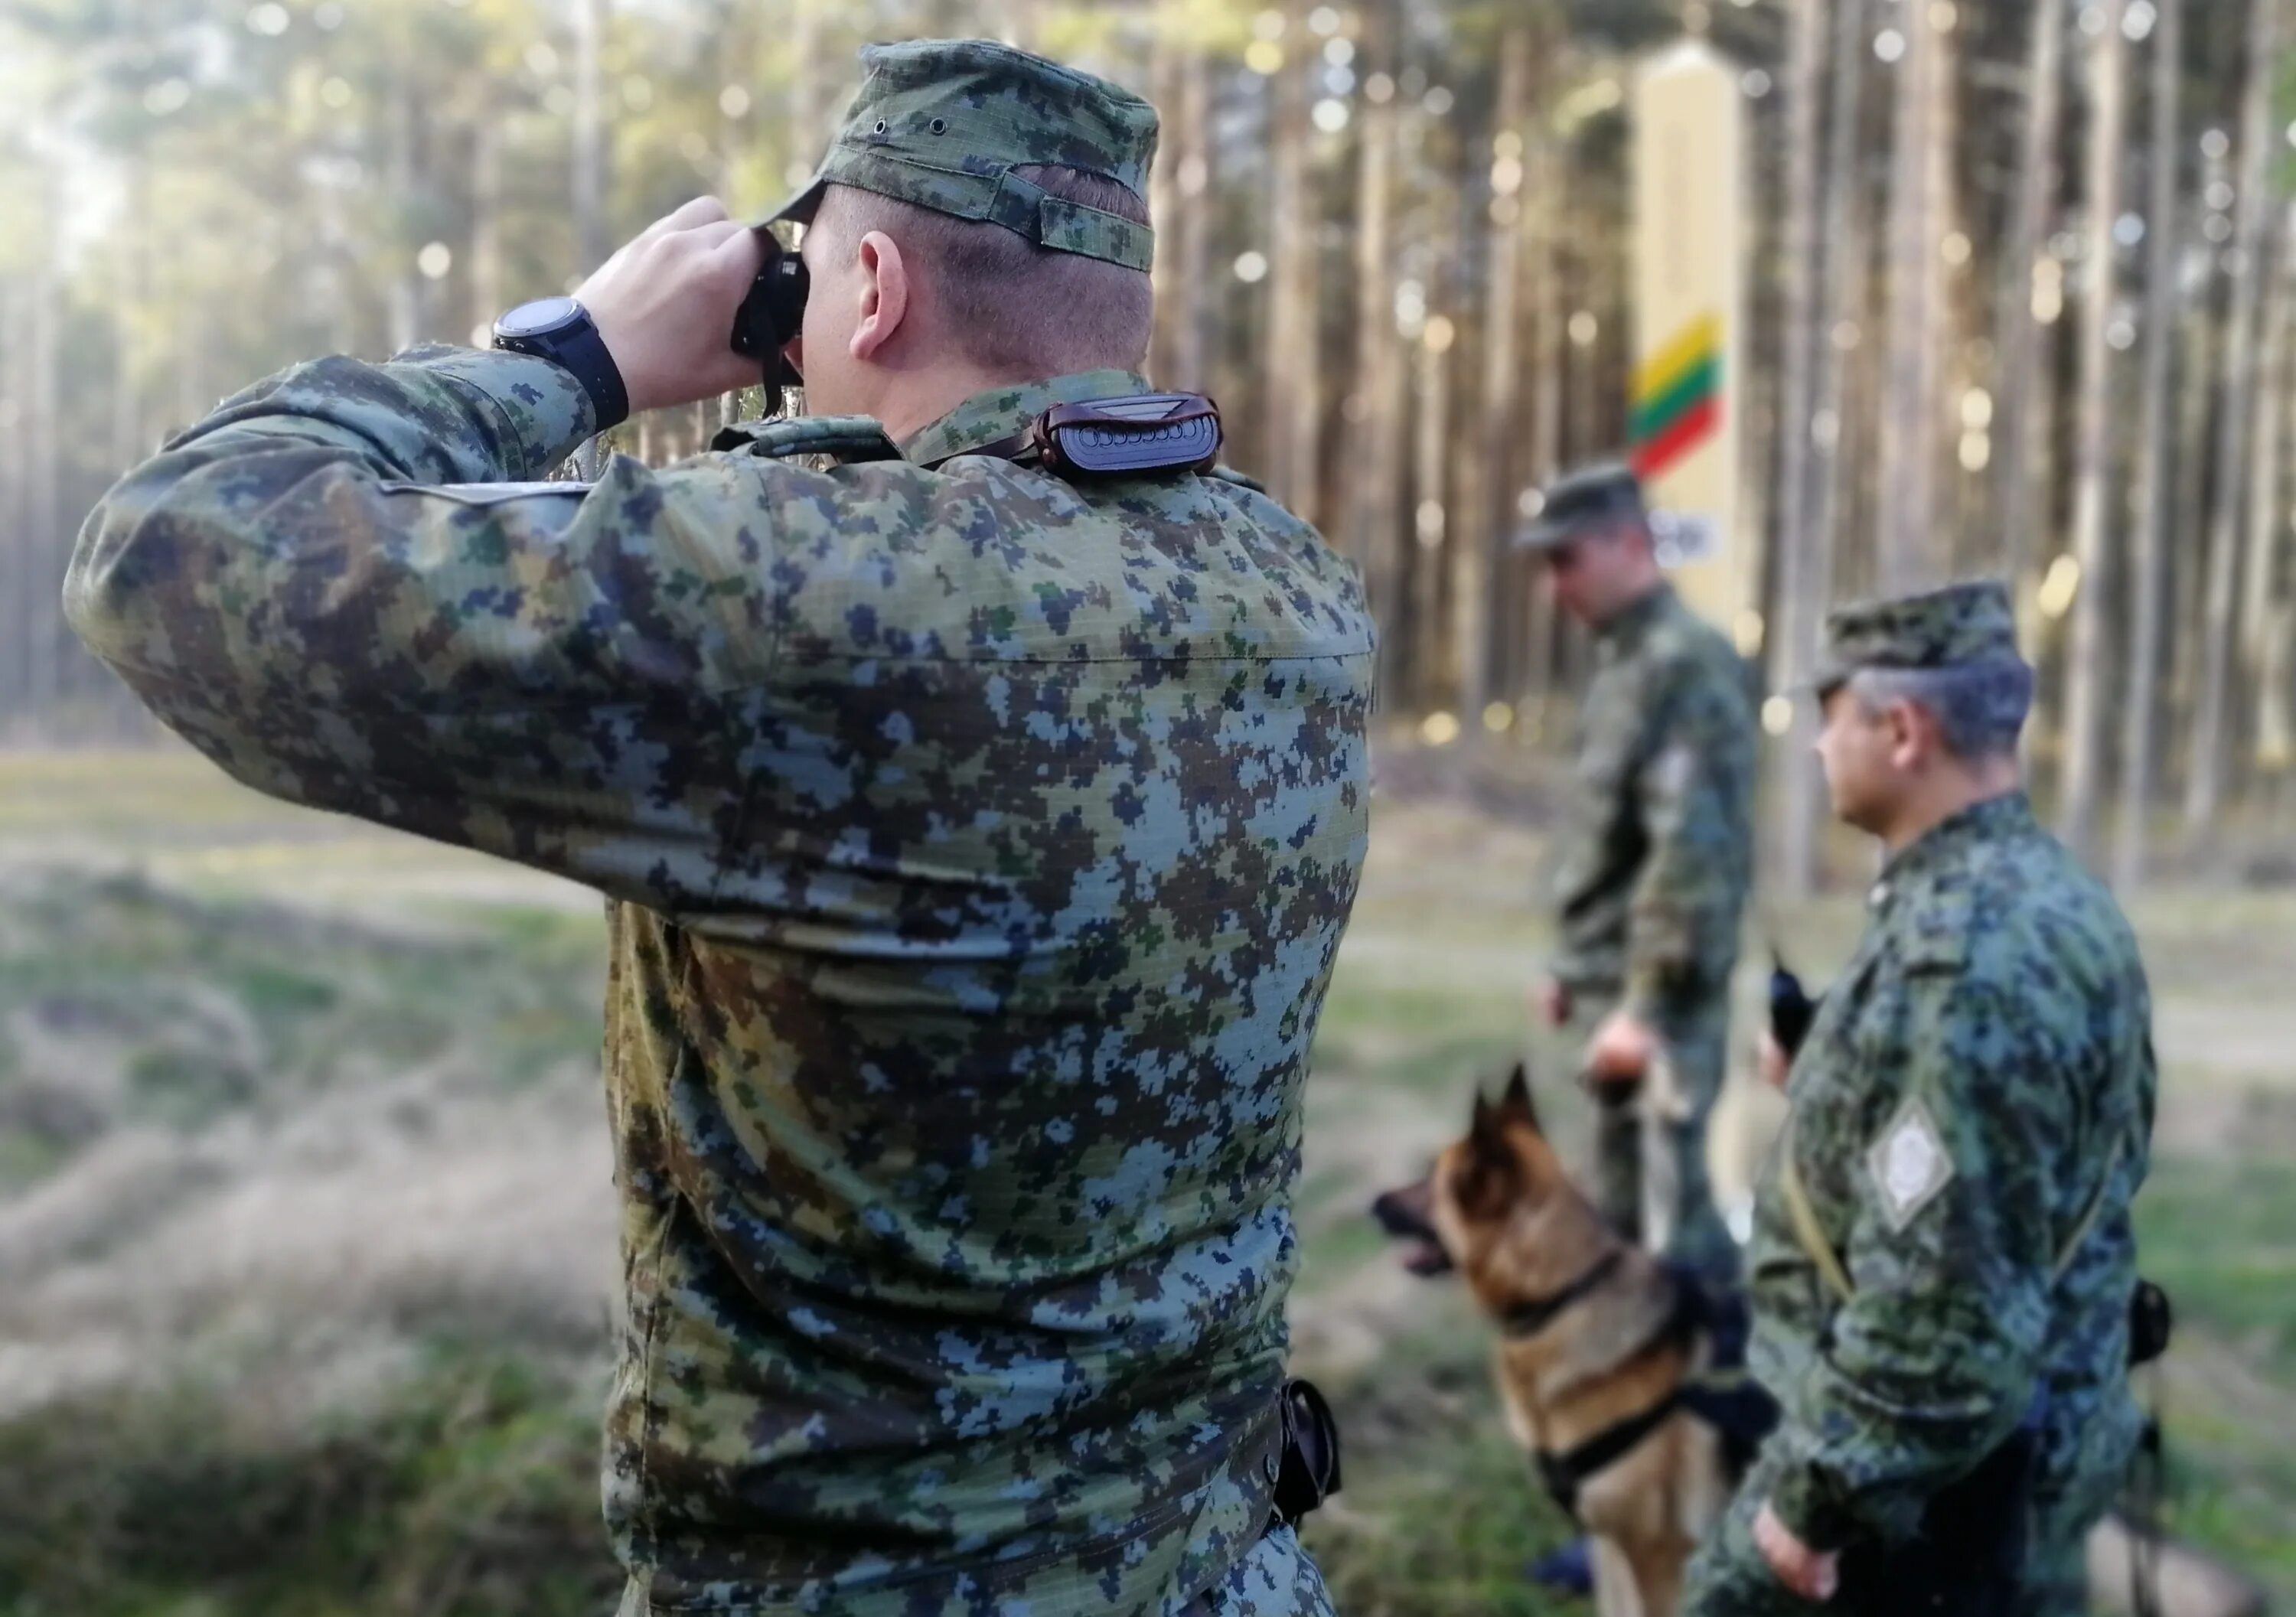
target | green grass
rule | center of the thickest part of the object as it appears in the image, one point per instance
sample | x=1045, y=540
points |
x=470, y=1491
x=1441, y=1513
x=203, y=1008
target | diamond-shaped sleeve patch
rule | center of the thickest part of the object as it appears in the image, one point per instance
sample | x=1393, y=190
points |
x=1909, y=1164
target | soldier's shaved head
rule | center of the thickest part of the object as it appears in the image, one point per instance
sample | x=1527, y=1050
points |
x=1018, y=310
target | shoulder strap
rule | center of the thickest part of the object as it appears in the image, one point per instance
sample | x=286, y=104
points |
x=1806, y=1232
x=1229, y=474
x=848, y=438
x=2071, y=1248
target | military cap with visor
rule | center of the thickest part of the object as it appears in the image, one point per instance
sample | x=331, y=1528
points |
x=943, y=124
x=1585, y=498
x=1958, y=625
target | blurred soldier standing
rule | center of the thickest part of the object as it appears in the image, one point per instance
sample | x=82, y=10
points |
x=1657, y=850
x=1942, y=1260
x=978, y=845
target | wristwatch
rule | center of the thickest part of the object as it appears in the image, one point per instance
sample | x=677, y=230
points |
x=561, y=331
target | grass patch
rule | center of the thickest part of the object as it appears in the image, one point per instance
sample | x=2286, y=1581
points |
x=125, y=1003
x=470, y=1491
x=1441, y=1514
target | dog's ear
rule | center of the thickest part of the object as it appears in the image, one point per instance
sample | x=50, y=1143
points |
x=1516, y=1102
x=1491, y=1176
x=1485, y=1129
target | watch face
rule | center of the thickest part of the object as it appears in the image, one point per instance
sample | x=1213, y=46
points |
x=533, y=319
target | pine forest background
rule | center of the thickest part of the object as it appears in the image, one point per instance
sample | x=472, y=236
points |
x=2020, y=304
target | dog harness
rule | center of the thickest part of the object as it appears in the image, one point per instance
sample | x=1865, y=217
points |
x=1722, y=1395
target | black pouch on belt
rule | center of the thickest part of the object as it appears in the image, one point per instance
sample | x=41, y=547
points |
x=1310, y=1465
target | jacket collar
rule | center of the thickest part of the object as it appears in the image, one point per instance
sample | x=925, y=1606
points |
x=998, y=413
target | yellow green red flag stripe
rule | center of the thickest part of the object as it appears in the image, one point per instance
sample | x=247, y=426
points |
x=1677, y=397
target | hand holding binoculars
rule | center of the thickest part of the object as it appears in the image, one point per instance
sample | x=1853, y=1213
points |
x=772, y=313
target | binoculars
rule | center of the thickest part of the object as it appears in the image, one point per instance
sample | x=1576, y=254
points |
x=772, y=313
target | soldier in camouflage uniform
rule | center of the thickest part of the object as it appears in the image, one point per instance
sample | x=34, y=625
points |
x=1943, y=1235
x=1656, y=853
x=977, y=844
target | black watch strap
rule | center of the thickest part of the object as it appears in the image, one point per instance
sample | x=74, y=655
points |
x=577, y=346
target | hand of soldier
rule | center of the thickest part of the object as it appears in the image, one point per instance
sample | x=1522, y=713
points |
x=1553, y=1000
x=665, y=302
x=1812, y=1574
x=1621, y=1050
x=1771, y=1060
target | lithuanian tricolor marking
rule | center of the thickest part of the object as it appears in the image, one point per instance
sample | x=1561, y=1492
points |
x=1677, y=398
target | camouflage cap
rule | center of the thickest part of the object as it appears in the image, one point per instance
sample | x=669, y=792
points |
x=1939, y=628
x=1586, y=496
x=942, y=123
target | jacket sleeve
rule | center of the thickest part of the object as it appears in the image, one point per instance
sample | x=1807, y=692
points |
x=1933, y=1360
x=336, y=589
x=1691, y=795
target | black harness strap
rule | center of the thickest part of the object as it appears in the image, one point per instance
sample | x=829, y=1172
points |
x=1526, y=1319
x=1722, y=1396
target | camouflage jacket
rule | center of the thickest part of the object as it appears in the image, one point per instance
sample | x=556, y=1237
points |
x=978, y=848
x=1656, y=853
x=1975, y=1095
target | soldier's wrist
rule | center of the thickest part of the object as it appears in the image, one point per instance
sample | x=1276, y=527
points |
x=542, y=410
x=1798, y=1502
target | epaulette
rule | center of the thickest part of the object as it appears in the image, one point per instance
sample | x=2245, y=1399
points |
x=1229, y=474
x=845, y=439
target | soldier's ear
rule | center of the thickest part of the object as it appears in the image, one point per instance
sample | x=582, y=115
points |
x=1516, y=1102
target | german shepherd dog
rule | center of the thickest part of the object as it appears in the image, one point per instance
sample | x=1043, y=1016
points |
x=1603, y=1351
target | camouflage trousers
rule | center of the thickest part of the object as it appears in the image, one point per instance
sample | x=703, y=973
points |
x=1696, y=1037
x=1277, y=1579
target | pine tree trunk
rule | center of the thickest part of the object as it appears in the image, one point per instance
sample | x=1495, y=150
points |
x=406, y=306
x=1291, y=361
x=2021, y=382
x=1544, y=186
x=2149, y=582
x=810, y=76
x=15, y=497
x=1487, y=498
x=1908, y=551
x=1374, y=457
x=2188, y=566
x=1800, y=610
x=1431, y=518
x=589, y=174
x=2204, y=783
x=487, y=298
x=2267, y=457
x=1842, y=273
x=1196, y=345
x=1167, y=47
x=2089, y=669
x=127, y=445
x=1434, y=524
x=43, y=537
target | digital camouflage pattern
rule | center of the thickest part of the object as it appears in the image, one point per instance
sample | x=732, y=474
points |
x=1959, y=623
x=978, y=848
x=1978, y=1082
x=942, y=123
x=1651, y=876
